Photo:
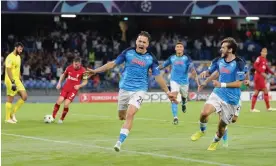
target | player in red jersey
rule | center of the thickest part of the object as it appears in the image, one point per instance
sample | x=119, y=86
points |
x=261, y=68
x=76, y=79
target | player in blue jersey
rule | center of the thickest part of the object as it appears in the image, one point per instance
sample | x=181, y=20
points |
x=214, y=76
x=179, y=82
x=226, y=95
x=134, y=82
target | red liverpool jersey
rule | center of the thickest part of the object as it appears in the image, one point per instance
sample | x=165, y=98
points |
x=74, y=77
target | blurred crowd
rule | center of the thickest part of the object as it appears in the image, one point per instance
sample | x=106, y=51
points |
x=46, y=57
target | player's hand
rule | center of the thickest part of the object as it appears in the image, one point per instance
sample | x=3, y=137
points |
x=204, y=74
x=216, y=84
x=58, y=86
x=246, y=82
x=264, y=75
x=200, y=87
x=13, y=88
x=77, y=87
x=90, y=72
x=172, y=97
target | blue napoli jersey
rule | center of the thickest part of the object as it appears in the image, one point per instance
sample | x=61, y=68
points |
x=135, y=75
x=229, y=72
x=180, y=68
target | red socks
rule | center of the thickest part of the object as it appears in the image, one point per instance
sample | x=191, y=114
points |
x=56, y=108
x=254, y=100
x=65, y=111
x=266, y=99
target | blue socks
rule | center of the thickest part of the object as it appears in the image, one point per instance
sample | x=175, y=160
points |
x=225, y=136
x=203, y=127
x=123, y=135
x=174, y=110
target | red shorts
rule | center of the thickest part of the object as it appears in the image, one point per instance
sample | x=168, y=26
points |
x=259, y=82
x=70, y=95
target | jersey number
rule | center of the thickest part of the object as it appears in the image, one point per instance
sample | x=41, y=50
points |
x=140, y=100
x=73, y=94
x=231, y=116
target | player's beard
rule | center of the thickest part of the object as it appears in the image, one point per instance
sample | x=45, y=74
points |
x=17, y=53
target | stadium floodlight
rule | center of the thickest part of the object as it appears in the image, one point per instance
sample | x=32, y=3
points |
x=252, y=18
x=224, y=18
x=68, y=15
x=196, y=18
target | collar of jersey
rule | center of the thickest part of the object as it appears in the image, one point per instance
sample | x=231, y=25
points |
x=230, y=61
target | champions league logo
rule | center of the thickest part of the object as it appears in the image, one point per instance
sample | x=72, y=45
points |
x=146, y=6
x=12, y=5
x=209, y=7
x=78, y=6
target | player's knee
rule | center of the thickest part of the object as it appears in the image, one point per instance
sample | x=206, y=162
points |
x=66, y=104
x=24, y=97
x=122, y=117
x=204, y=114
x=234, y=120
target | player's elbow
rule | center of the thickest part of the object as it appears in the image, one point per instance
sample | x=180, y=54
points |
x=111, y=65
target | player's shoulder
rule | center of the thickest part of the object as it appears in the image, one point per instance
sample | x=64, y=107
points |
x=152, y=55
x=171, y=56
x=128, y=50
x=240, y=63
x=259, y=58
x=10, y=56
x=69, y=67
x=188, y=57
x=217, y=59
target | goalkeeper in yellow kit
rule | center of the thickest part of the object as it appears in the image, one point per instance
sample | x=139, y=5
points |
x=13, y=83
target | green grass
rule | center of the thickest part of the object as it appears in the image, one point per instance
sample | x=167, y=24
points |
x=90, y=131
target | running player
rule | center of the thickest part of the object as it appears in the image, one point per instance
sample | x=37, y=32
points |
x=13, y=83
x=261, y=68
x=76, y=79
x=181, y=65
x=134, y=82
x=215, y=76
x=226, y=94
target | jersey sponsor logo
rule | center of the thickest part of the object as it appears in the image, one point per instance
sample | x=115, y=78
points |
x=179, y=63
x=138, y=62
x=224, y=70
x=72, y=78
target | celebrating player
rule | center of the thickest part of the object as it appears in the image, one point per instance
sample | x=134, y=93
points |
x=134, y=82
x=181, y=65
x=261, y=68
x=76, y=79
x=13, y=83
x=226, y=95
x=215, y=76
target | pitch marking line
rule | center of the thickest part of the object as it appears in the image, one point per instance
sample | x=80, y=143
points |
x=160, y=120
x=128, y=151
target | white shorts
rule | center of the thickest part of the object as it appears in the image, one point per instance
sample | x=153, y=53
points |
x=126, y=97
x=183, y=89
x=225, y=110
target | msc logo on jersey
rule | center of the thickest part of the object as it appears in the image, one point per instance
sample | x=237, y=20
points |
x=138, y=62
x=72, y=78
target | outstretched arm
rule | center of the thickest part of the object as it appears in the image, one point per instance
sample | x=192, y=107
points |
x=214, y=76
x=165, y=64
x=103, y=68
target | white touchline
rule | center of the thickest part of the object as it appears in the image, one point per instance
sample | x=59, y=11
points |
x=128, y=151
x=160, y=120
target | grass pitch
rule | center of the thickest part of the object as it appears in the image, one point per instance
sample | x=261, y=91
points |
x=90, y=131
